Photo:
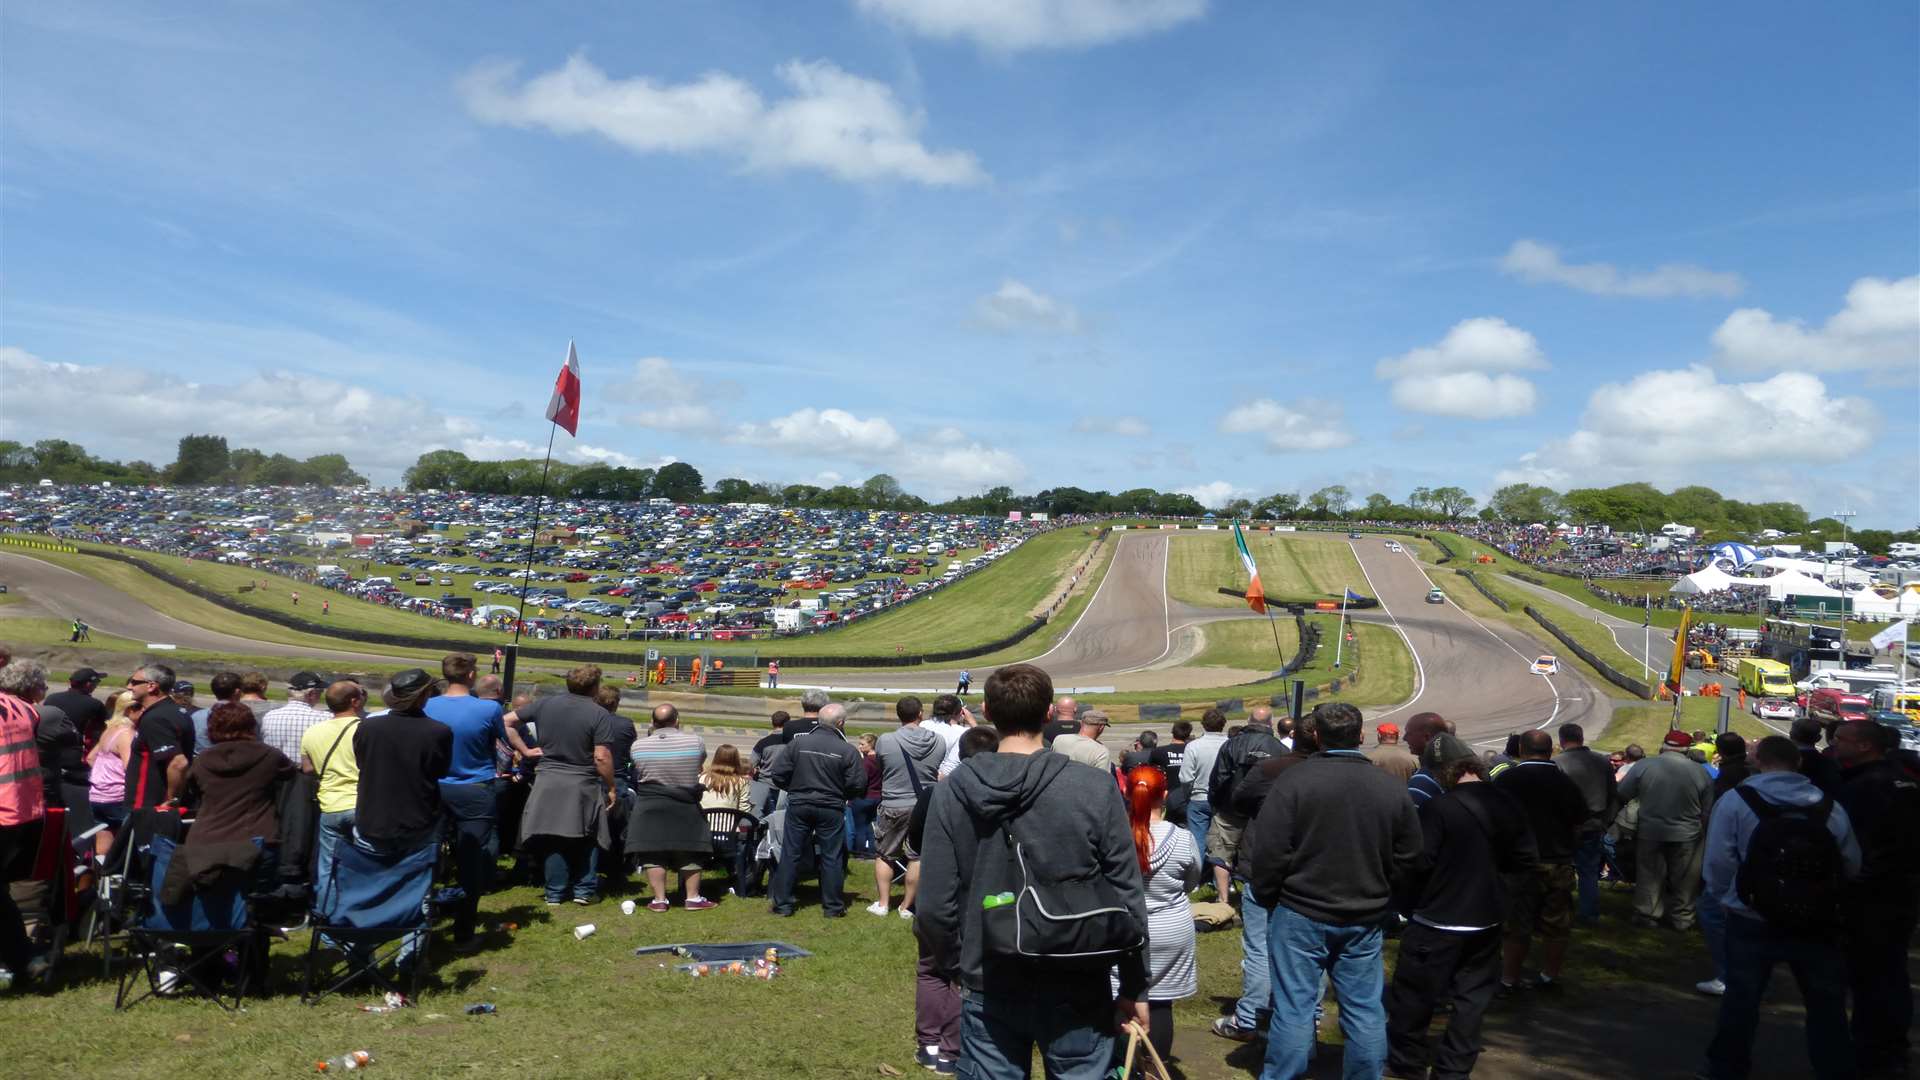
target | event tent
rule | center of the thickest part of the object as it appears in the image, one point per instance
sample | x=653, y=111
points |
x=1711, y=579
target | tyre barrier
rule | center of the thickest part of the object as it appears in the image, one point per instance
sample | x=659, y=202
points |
x=1606, y=670
x=1475, y=581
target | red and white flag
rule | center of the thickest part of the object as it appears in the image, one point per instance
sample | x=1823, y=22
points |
x=564, y=408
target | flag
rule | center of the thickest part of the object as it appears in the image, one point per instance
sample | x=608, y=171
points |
x=1679, y=667
x=1354, y=597
x=1256, y=596
x=564, y=407
x=1895, y=634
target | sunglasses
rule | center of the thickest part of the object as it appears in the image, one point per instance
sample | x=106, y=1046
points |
x=139, y=682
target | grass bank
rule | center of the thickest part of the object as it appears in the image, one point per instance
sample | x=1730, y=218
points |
x=1293, y=565
x=1648, y=724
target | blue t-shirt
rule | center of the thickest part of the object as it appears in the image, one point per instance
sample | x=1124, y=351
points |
x=476, y=724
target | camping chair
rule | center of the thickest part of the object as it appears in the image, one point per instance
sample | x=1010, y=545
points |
x=122, y=886
x=734, y=834
x=378, y=903
x=183, y=948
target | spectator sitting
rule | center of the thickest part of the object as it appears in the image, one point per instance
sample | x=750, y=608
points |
x=326, y=751
x=107, y=771
x=668, y=827
x=402, y=754
x=726, y=781
x=468, y=790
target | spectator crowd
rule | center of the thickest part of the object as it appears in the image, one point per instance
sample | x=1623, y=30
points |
x=1050, y=878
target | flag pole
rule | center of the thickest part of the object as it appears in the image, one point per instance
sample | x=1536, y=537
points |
x=538, y=504
x=1340, y=641
x=1275, y=627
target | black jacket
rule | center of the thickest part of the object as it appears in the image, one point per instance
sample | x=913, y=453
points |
x=820, y=768
x=1592, y=773
x=1247, y=797
x=1732, y=771
x=1240, y=756
x=1075, y=823
x=1884, y=805
x=1469, y=838
x=1552, y=803
x=1332, y=837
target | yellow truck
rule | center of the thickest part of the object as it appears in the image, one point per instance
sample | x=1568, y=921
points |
x=1765, y=678
x=1895, y=699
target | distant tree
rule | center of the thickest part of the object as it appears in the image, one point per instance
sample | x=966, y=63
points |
x=1379, y=506
x=1453, y=502
x=880, y=492
x=678, y=481
x=1330, y=501
x=202, y=459
x=1278, y=507
x=1421, y=499
x=280, y=471
x=330, y=470
x=733, y=489
x=1238, y=508
x=438, y=470
x=1175, y=504
x=1525, y=504
x=799, y=495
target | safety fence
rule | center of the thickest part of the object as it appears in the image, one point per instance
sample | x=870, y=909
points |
x=37, y=544
x=1475, y=581
x=1607, y=671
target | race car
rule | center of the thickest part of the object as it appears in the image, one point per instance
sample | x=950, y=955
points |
x=1775, y=709
x=1435, y=596
x=1546, y=665
x=1393, y=546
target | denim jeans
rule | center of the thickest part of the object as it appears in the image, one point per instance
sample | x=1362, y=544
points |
x=1713, y=927
x=860, y=814
x=335, y=829
x=470, y=812
x=1072, y=1026
x=1302, y=951
x=1586, y=868
x=1818, y=967
x=572, y=868
x=807, y=826
x=1199, y=820
x=1256, y=970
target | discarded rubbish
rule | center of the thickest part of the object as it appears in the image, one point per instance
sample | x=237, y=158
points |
x=627, y=907
x=359, y=1059
x=583, y=931
x=485, y=1008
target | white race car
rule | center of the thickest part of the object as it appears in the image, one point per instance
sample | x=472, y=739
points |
x=1546, y=665
x=1775, y=709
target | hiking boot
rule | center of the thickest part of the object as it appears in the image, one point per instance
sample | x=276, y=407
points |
x=1711, y=987
x=1227, y=1029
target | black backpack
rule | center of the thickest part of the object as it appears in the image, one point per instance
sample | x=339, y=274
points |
x=1792, y=875
x=1055, y=917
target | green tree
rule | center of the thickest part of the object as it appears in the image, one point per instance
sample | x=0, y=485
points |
x=1378, y=506
x=678, y=481
x=880, y=492
x=733, y=489
x=1453, y=502
x=331, y=470
x=1330, y=501
x=1525, y=504
x=1277, y=507
x=439, y=470
x=202, y=459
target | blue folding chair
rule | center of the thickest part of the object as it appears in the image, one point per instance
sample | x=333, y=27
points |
x=183, y=948
x=376, y=906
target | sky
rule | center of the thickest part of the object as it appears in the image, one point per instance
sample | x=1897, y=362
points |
x=1225, y=248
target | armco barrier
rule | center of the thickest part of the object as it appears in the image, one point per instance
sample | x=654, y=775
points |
x=1447, y=554
x=1484, y=591
x=1606, y=670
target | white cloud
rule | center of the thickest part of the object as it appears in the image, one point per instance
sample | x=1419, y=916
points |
x=1665, y=426
x=1468, y=374
x=1879, y=328
x=1303, y=426
x=1015, y=305
x=1540, y=264
x=1215, y=495
x=945, y=463
x=823, y=431
x=1011, y=25
x=832, y=121
x=673, y=400
x=1125, y=427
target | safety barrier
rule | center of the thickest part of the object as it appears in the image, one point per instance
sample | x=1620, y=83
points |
x=1484, y=591
x=1607, y=671
x=37, y=543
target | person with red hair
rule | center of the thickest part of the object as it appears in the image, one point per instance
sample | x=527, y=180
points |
x=1171, y=867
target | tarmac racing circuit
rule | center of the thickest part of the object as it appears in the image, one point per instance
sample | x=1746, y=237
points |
x=1474, y=673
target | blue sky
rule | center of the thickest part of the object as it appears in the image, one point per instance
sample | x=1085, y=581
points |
x=1227, y=248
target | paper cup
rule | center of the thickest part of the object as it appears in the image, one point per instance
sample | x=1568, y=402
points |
x=626, y=907
x=583, y=931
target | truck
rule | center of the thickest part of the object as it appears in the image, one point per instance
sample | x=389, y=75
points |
x=1840, y=547
x=1833, y=706
x=1898, y=699
x=1765, y=678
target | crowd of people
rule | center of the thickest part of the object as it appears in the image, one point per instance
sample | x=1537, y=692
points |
x=1049, y=877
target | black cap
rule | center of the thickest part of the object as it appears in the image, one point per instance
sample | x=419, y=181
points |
x=86, y=674
x=410, y=681
x=181, y=687
x=306, y=680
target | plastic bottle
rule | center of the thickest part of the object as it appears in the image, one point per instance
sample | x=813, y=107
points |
x=358, y=1059
x=485, y=1008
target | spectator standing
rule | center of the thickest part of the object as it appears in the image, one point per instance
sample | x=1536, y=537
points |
x=820, y=771
x=1171, y=869
x=1083, y=745
x=1421, y=728
x=1542, y=895
x=225, y=686
x=1731, y=749
x=1391, y=754
x=1592, y=773
x=1242, y=754
x=326, y=751
x=910, y=757
x=1196, y=770
x=1673, y=791
x=936, y=1000
x=1063, y=720
x=1815, y=766
x=82, y=708
x=951, y=719
x=1757, y=940
x=107, y=771
x=772, y=739
x=23, y=808
x=469, y=789
x=860, y=811
x=162, y=740
x=1334, y=834
x=1067, y=821
x=669, y=828
x=565, y=819
x=1474, y=839
x=253, y=694
x=1734, y=769
x=402, y=754
x=1141, y=753
x=283, y=727
x=1878, y=909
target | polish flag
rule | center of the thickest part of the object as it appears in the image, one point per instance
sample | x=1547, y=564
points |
x=564, y=408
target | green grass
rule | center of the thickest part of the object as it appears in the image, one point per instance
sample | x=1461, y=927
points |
x=1247, y=644
x=1292, y=566
x=1648, y=724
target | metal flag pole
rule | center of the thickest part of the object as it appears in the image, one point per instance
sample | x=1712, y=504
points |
x=1646, y=642
x=1340, y=641
x=526, y=580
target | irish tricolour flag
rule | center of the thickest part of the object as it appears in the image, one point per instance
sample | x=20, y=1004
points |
x=1256, y=596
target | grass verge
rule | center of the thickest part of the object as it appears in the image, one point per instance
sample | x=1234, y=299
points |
x=1648, y=724
x=1292, y=565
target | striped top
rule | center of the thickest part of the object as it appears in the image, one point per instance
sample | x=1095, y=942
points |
x=1173, y=872
x=668, y=756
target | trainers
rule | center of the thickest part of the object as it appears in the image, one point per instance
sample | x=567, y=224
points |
x=877, y=908
x=906, y=913
x=1513, y=990
x=698, y=903
x=583, y=901
x=1227, y=1029
x=1711, y=987
x=1546, y=985
x=659, y=905
x=931, y=1059
x=469, y=944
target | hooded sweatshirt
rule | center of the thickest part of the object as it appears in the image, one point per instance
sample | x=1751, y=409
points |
x=1732, y=829
x=895, y=749
x=237, y=784
x=1331, y=839
x=1070, y=821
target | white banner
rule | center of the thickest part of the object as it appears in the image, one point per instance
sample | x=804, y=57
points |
x=1891, y=636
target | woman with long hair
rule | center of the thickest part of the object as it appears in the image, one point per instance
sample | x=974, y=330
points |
x=1171, y=869
x=727, y=780
x=107, y=765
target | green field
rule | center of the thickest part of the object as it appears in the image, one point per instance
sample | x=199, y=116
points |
x=1247, y=644
x=1596, y=638
x=1292, y=566
x=1648, y=724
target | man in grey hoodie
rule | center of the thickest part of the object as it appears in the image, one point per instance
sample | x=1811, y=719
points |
x=1754, y=946
x=910, y=759
x=1072, y=823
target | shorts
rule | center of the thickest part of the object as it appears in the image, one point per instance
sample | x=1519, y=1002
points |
x=684, y=861
x=1223, y=839
x=1541, y=902
x=890, y=830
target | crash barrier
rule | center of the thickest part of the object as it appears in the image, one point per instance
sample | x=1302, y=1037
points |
x=38, y=544
x=1607, y=671
x=1484, y=591
x=1528, y=578
x=1309, y=645
x=1447, y=553
x=1321, y=603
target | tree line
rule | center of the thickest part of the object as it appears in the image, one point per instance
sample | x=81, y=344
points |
x=201, y=460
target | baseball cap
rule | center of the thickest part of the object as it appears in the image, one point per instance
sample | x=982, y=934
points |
x=86, y=674
x=1392, y=730
x=1443, y=749
x=181, y=687
x=306, y=680
x=1677, y=739
x=1094, y=716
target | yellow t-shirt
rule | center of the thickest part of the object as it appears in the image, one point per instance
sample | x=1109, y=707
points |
x=340, y=785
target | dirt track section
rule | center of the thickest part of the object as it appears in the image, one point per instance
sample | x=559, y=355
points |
x=68, y=594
